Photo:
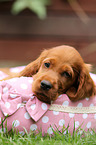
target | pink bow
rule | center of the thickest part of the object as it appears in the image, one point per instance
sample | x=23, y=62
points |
x=36, y=108
x=11, y=101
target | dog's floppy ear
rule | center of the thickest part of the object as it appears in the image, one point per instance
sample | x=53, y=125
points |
x=83, y=87
x=33, y=67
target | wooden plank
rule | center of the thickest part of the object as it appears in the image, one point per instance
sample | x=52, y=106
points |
x=28, y=50
x=25, y=50
x=24, y=36
x=88, y=6
x=66, y=26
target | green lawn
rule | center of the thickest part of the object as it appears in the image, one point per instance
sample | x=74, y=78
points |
x=59, y=138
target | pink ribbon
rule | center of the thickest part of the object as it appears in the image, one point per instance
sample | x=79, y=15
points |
x=11, y=101
x=36, y=108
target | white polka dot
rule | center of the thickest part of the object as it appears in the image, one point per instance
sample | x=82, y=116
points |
x=91, y=105
x=15, y=123
x=24, y=86
x=7, y=105
x=88, y=124
x=22, y=105
x=31, y=97
x=5, y=90
x=87, y=99
x=59, y=96
x=55, y=112
x=22, y=133
x=95, y=116
x=85, y=116
x=61, y=122
x=5, y=114
x=80, y=132
x=19, y=105
x=91, y=132
x=80, y=105
x=30, y=81
x=2, y=77
x=50, y=131
x=44, y=106
x=3, y=130
x=65, y=103
x=13, y=80
x=33, y=127
x=15, y=70
x=45, y=119
x=65, y=132
x=71, y=115
x=27, y=116
x=76, y=124
x=13, y=95
x=24, y=102
x=33, y=106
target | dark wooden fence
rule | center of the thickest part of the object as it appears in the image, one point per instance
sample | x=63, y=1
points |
x=22, y=37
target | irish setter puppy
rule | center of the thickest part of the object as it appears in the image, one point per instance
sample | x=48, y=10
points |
x=60, y=70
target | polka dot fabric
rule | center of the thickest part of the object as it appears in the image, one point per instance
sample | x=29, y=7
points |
x=25, y=111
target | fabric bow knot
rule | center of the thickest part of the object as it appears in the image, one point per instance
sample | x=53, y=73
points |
x=11, y=101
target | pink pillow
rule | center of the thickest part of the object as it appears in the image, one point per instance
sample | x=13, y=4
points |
x=23, y=110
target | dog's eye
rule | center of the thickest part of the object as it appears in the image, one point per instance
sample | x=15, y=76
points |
x=47, y=64
x=66, y=74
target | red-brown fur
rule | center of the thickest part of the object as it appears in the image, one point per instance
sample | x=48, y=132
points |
x=77, y=84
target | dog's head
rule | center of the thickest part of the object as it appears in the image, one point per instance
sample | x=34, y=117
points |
x=61, y=70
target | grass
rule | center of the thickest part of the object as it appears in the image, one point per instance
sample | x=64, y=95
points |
x=56, y=139
x=78, y=137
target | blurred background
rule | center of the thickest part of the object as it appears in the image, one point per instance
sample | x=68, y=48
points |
x=29, y=26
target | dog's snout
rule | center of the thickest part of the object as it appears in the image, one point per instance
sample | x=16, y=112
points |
x=46, y=85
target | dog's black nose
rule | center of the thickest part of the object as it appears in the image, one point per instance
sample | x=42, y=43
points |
x=46, y=85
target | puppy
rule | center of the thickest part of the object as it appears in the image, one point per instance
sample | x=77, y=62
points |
x=57, y=71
